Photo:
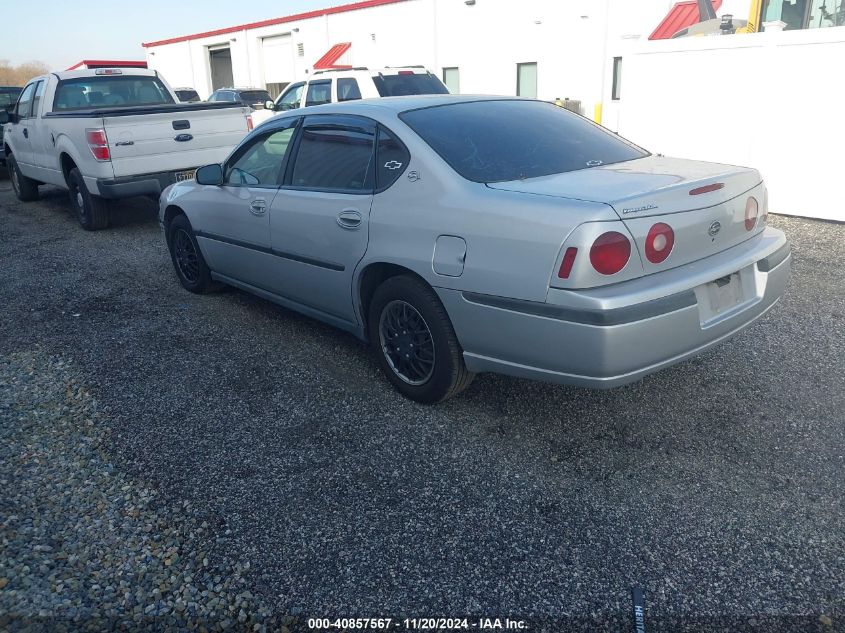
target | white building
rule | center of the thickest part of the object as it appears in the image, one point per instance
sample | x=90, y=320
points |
x=550, y=48
x=761, y=99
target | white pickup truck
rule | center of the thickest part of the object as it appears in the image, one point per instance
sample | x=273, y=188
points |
x=112, y=133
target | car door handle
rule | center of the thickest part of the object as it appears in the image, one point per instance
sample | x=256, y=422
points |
x=25, y=133
x=349, y=218
x=257, y=207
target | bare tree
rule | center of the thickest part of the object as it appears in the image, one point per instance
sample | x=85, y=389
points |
x=18, y=75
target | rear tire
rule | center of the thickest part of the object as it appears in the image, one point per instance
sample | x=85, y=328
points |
x=194, y=274
x=414, y=341
x=91, y=211
x=26, y=189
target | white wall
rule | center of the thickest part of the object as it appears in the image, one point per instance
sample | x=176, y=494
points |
x=773, y=101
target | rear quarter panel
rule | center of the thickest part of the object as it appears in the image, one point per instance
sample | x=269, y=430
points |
x=512, y=239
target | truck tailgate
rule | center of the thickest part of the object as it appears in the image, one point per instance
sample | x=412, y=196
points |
x=149, y=143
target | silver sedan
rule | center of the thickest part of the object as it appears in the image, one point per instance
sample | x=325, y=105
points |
x=461, y=235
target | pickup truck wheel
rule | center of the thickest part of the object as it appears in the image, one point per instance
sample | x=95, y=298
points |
x=193, y=272
x=414, y=341
x=26, y=189
x=91, y=211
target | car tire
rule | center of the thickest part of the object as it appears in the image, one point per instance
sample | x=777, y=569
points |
x=26, y=189
x=91, y=211
x=414, y=341
x=194, y=274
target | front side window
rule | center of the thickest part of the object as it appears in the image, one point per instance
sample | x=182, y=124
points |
x=36, y=99
x=25, y=102
x=391, y=159
x=335, y=154
x=292, y=98
x=319, y=92
x=347, y=89
x=110, y=90
x=262, y=162
x=501, y=140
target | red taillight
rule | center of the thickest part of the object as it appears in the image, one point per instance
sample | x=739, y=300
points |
x=659, y=242
x=249, y=124
x=751, y=210
x=568, y=261
x=98, y=143
x=610, y=252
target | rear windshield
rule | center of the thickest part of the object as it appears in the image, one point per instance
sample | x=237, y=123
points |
x=409, y=83
x=494, y=141
x=109, y=91
x=8, y=97
x=187, y=95
x=255, y=96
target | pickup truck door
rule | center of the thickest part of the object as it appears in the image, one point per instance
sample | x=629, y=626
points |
x=19, y=131
x=232, y=221
x=319, y=221
x=39, y=136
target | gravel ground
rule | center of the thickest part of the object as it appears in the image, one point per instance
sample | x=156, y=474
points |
x=716, y=485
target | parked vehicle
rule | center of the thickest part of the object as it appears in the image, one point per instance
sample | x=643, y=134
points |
x=8, y=97
x=332, y=86
x=187, y=95
x=111, y=133
x=465, y=234
x=257, y=99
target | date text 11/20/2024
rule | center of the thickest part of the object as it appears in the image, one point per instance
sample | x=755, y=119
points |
x=417, y=624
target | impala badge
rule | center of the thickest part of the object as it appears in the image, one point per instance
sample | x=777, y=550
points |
x=647, y=207
x=714, y=228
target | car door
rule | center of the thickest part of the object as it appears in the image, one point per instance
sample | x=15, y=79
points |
x=319, y=219
x=231, y=220
x=19, y=131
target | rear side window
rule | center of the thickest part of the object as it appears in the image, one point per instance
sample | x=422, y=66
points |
x=319, y=92
x=409, y=83
x=105, y=91
x=494, y=141
x=391, y=159
x=347, y=89
x=335, y=154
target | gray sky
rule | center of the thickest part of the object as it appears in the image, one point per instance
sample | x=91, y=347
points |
x=60, y=33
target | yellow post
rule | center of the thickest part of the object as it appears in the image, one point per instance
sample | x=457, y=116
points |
x=597, y=114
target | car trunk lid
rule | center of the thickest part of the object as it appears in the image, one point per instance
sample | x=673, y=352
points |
x=704, y=203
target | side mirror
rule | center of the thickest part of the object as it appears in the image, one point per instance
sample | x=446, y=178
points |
x=5, y=117
x=269, y=104
x=210, y=175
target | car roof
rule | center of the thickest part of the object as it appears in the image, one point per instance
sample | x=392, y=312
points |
x=411, y=102
x=93, y=72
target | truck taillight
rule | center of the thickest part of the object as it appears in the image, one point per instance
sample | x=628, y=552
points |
x=98, y=142
x=249, y=123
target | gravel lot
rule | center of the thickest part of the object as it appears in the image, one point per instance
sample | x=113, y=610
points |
x=268, y=453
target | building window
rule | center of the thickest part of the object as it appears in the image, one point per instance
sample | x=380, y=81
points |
x=452, y=79
x=526, y=80
x=616, y=90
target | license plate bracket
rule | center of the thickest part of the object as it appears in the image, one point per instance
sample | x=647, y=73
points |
x=720, y=298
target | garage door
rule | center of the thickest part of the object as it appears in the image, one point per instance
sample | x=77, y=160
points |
x=277, y=59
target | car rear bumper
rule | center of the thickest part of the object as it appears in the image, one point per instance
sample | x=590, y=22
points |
x=140, y=185
x=613, y=335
